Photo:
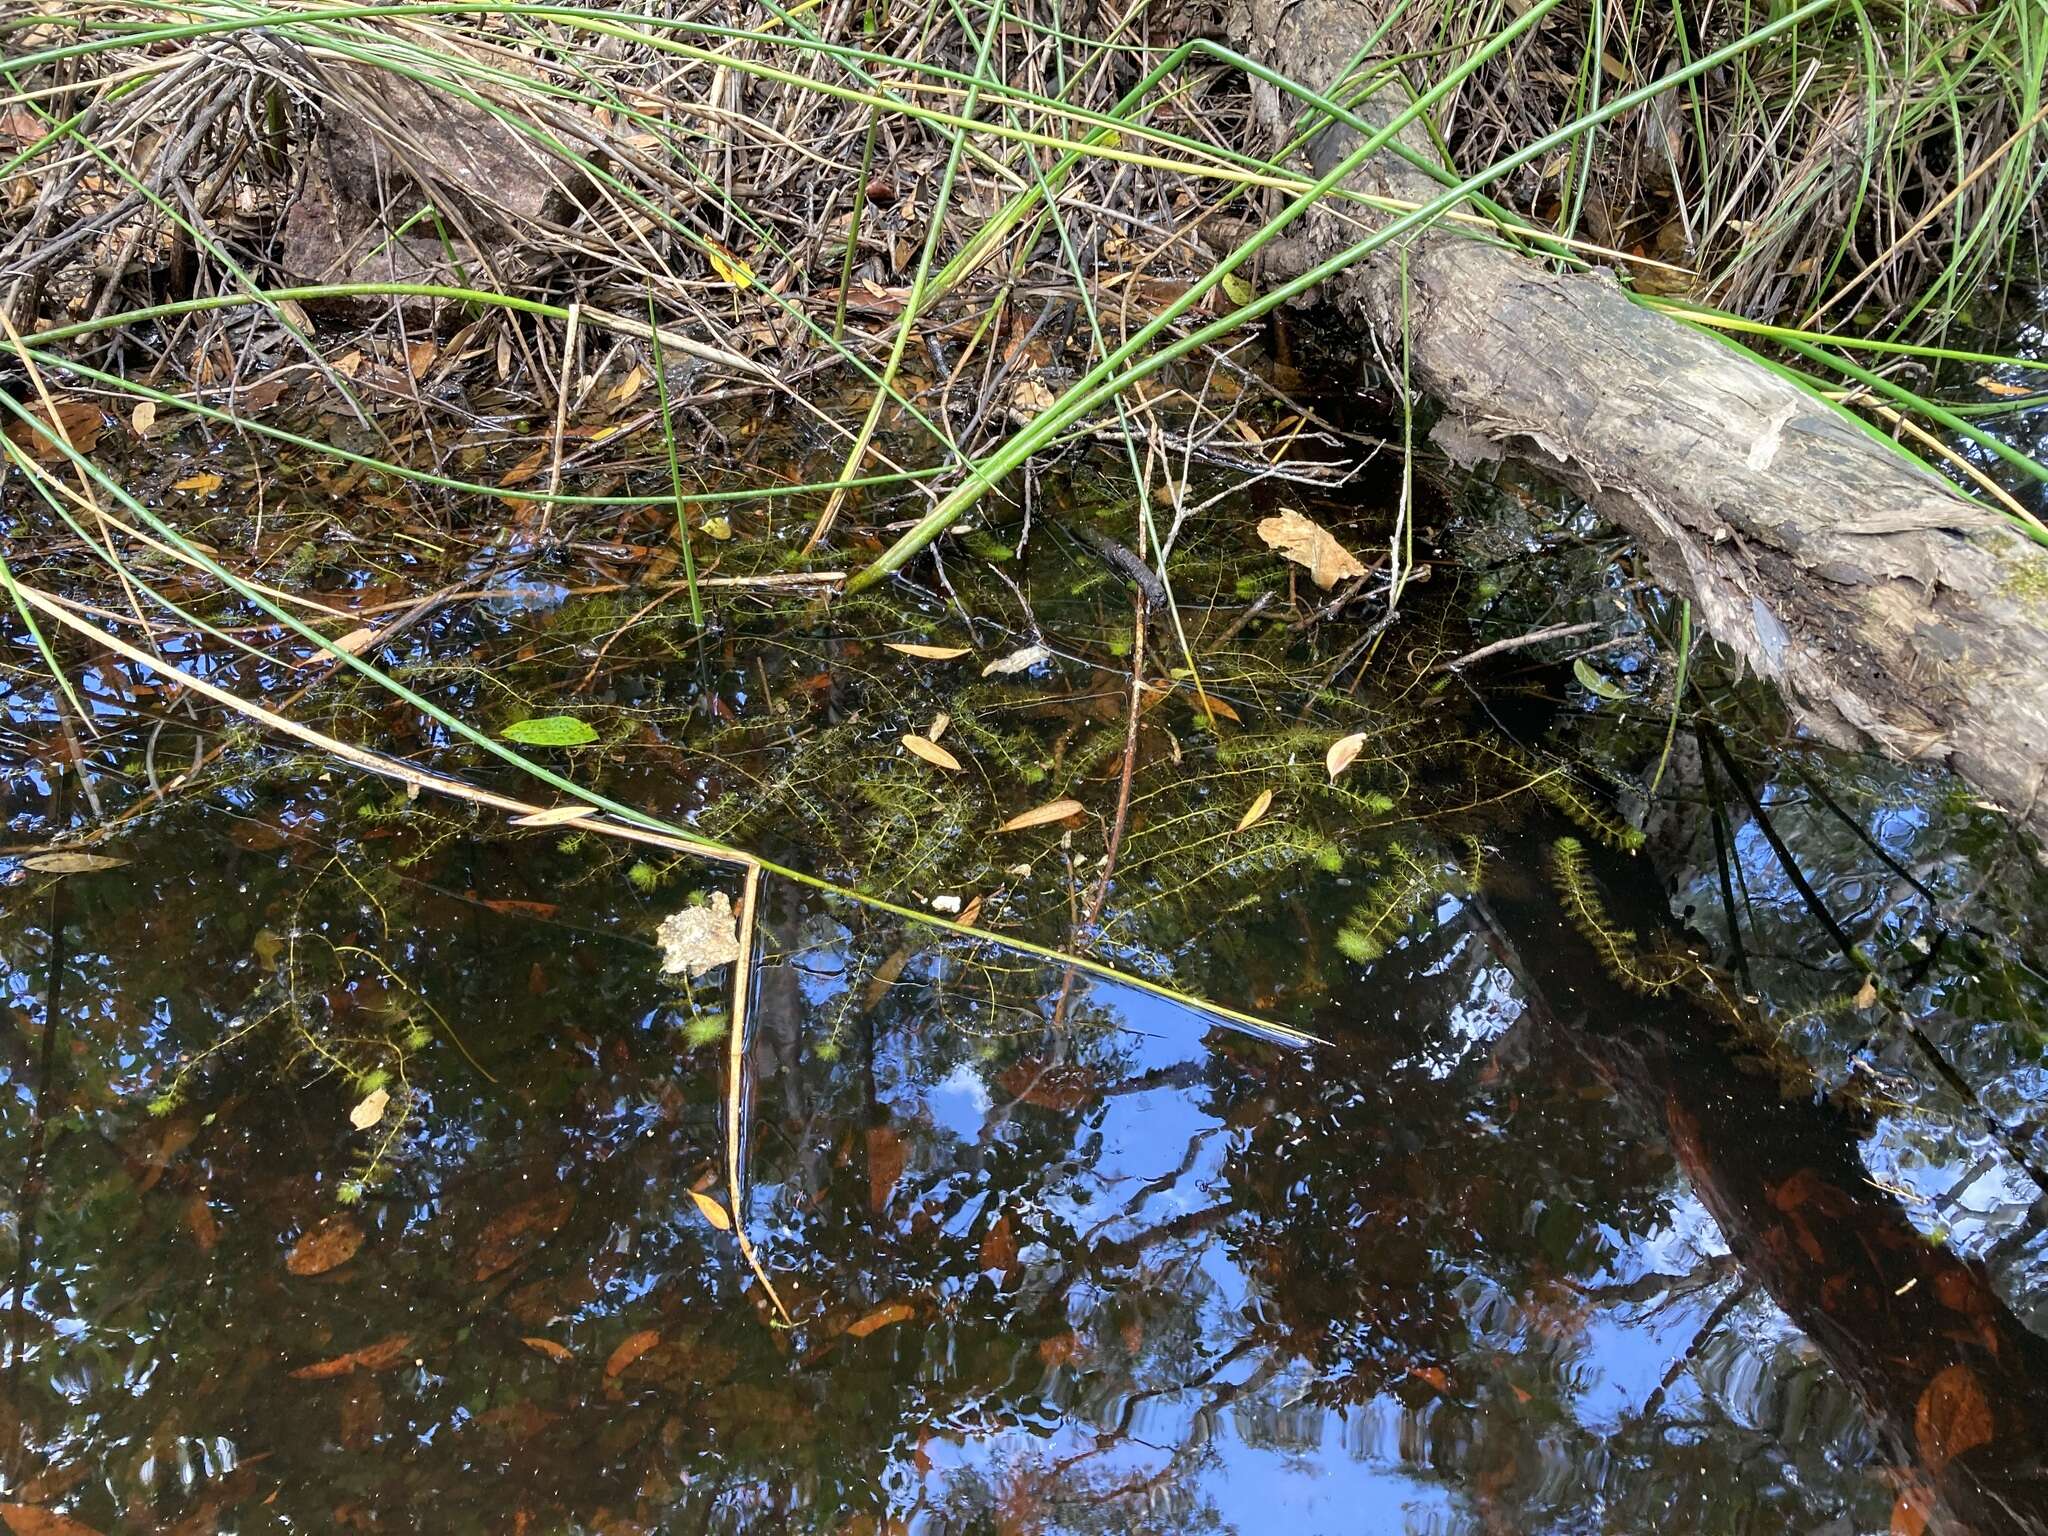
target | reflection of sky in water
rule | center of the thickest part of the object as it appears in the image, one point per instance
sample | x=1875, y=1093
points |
x=1593, y=1329
x=1331, y=1469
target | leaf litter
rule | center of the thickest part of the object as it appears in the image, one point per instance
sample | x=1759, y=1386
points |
x=700, y=937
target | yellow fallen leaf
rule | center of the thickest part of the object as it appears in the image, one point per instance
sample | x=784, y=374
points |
x=1999, y=387
x=931, y=752
x=712, y=1211
x=1294, y=537
x=728, y=266
x=143, y=417
x=201, y=485
x=1039, y=815
x=927, y=652
x=1257, y=813
x=548, y=1347
x=938, y=726
x=1343, y=753
x=629, y=386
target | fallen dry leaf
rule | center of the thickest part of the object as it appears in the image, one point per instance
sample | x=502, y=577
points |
x=199, y=1221
x=556, y=816
x=630, y=1349
x=1343, y=753
x=71, y=862
x=28, y=1520
x=1017, y=661
x=1914, y=1506
x=1294, y=537
x=525, y=469
x=882, y=1317
x=1952, y=1417
x=1999, y=387
x=886, y=1159
x=712, y=1211
x=507, y=906
x=548, y=1347
x=728, y=266
x=371, y=1110
x=1063, y=1087
x=999, y=1246
x=143, y=417
x=883, y=979
x=1039, y=815
x=511, y=1235
x=198, y=485
x=1257, y=812
x=629, y=386
x=265, y=393
x=931, y=752
x=374, y=1357
x=699, y=938
x=927, y=652
x=80, y=423
x=1060, y=1348
x=1030, y=396
x=327, y=1244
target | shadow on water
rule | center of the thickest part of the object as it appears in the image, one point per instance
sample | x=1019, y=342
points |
x=1518, y=1249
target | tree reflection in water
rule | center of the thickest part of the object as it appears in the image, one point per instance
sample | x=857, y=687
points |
x=1145, y=1275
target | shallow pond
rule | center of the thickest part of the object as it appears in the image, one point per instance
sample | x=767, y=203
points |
x=367, y=1172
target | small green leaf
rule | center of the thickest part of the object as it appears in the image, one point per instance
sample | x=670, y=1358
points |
x=1594, y=683
x=551, y=731
x=1237, y=290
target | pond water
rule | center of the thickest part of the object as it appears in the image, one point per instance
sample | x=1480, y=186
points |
x=367, y=1173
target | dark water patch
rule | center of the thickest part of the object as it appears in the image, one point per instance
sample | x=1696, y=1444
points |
x=369, y=1172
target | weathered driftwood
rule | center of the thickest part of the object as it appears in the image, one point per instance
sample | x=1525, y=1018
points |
x=1889, y=608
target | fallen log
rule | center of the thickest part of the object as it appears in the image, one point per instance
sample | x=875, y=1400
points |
x=1890, y=609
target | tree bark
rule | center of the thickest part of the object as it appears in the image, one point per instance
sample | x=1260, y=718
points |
x=1890, y=609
